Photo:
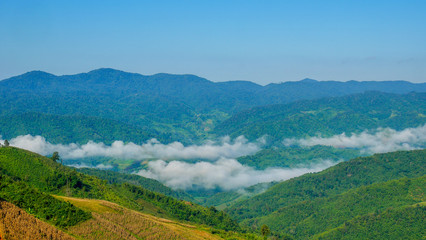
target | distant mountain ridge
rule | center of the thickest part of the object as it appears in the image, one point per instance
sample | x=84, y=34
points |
x=184, y=108
x=197, y=92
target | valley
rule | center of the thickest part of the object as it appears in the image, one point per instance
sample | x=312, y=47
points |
x=180, y=157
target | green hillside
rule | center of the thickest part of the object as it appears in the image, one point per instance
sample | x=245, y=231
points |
x=293, y=157
x=186, y=108
x=344, y=176
x=73, y=129
x=310, y=217
x=40, y=204
x=150, y=184
x=396, y=223
x=329, y=116
x=53, y=178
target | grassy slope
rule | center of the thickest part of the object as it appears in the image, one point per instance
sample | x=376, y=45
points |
x=332, y=181
x=51, y=177
x=111, y=221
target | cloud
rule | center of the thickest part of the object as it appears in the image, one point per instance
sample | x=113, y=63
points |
x=226, y=174
x=99, y=166
x=150, y=150
x=379, y=141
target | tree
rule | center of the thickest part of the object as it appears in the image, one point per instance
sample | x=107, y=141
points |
x=6, y=143
x=265, y=231
x=55, y=157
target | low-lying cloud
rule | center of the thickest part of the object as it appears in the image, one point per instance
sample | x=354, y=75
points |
x=225, y=174
x=379, y=141
x=99, y=166
x=153, y=149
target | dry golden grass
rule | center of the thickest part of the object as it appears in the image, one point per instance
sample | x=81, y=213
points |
x=15, y=223
x=111, y=221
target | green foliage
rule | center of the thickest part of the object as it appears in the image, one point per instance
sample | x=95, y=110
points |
x=357, y=172
x=329, y=116
x=40, y=204
x=307, y=218
x=396, y=223
x=181, y=210
x=295, y=156
x=73, y=129
x=150, y=184
x=51, y=177
x=55, y=157
x=265, y=231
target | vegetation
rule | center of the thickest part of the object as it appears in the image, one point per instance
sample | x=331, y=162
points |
x=344, y=176
x=307, y=218
x=111, y=221
x=40, y=204
x=329, y=116
x=16, y=224
x=150, y=184
x=187, y=108
x=395, y=223
x=292, y=157
x=54, y=178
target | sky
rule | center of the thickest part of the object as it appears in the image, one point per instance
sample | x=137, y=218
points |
x=221, y=40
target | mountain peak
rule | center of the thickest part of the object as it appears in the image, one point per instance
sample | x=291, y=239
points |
x=308, y=80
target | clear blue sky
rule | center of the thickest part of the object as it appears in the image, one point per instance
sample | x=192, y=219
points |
x=262, y=41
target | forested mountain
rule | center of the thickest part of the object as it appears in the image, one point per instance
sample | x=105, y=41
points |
x=313, y=203
x=171, y=107
x=329, y=116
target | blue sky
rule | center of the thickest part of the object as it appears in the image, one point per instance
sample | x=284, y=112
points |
x=260, y=41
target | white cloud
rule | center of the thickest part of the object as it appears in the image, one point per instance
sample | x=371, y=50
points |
x=226, y=174
x=379, y=141
x=152, y=149
x=99, y=166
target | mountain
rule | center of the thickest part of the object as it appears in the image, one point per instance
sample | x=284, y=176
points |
x=311, y=217
x=29, y=180
x=400, y=223
x=174, y=107
x=308, y=199
x=328, y=116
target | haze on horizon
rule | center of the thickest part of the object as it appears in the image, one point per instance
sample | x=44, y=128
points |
x=259, y=41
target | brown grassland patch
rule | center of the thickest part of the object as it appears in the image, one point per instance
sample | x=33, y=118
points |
x=17, y=224
x=111, y=221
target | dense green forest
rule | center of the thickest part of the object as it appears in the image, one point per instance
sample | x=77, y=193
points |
x=293, y=157
x=329, y=116
x=335, y=180
x=310, y=217
x=395, y=223
x=190, y=109
x=40, y=204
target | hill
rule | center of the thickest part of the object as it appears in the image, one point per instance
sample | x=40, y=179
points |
x=335, y=180
x=111, y=221
x=402, y=223
x=48, y=177
x=150, y=184
x=175, y=107
x=329, y=116
x=308, y=218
